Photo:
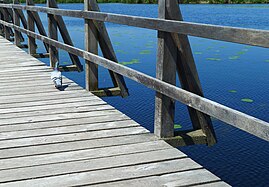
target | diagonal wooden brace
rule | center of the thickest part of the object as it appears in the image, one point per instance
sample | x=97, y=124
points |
x=108, y=51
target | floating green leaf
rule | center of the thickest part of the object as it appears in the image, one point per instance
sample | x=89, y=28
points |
x=133, y=61
x=198, y=53
x=177, y=126
x=209, y=48
x=232, y=91
x=266, y=60
x=116, y=43
x=241, y=52
x=247, y=100
x=144, y=52
x=234, y=57
x=213, y=59
x=121, y=51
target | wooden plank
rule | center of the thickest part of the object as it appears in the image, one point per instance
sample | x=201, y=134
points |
x=83, y=154
x=224, y=33
x=89, y=165
x=165, y=71
x=121, y=173
x=64, y=122
x=55, y=117
x=45, y=103
x=108, y=51
x=75, y=145
x=31, y=27
x=185, y=138
x=72, y=137
x=91, y=45
x=200, y=177
x=67, y=129
x=106, y=92
x=67, y=110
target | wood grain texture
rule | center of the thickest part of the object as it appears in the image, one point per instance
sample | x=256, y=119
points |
x=58, y=138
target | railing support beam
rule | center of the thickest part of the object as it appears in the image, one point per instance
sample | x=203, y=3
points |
x=91, y=45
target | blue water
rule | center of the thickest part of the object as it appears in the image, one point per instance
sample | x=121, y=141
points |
x=239, y=158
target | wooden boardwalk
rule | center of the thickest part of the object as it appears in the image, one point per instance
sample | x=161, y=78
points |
x=73, y=138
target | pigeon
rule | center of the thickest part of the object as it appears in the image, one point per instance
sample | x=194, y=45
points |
x=56, y=76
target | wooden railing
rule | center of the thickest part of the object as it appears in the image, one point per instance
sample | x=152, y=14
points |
x=174, y=53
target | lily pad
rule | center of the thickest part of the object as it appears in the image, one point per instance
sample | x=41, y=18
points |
x=266, y=60
x=116, y=43
x=232, y=91
x=177, y=126
x=213, y=59
x=198, y=53
x=247, y=100
x=145, y=52
x=121, y=51
x=241, y=52
x=133, y=61
x=234, y=57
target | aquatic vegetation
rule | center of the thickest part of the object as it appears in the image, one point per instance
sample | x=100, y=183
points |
x=198, y=53
x=232, y=91
x=209, y=48
x=116, y=43
x=266, y=60
x=213, y=59
x=177, y=126
x=133, y=61
x=234, y=57
x=65, y=63
x=145, y=52
x=247, y=100
x=121, y=51
x=241, y=52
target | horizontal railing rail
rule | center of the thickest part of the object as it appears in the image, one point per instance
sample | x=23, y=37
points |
x=230, y=116
x=224, y=33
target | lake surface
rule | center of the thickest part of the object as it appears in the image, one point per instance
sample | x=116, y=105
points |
x=228, y=73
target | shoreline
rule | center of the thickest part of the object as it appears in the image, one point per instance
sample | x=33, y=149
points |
x=223, y=2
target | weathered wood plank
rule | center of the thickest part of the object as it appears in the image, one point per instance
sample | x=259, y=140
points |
x=89, y=165
x=66, y=110
x=64, y=122
x=83, y=154
x=72, y=137
x=187, y=178
x=121, y=173
x=75, y=145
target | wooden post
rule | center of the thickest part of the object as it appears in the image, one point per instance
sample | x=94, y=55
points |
x=187, y=72
x=53, y=34
x=31, y=27
x=6, y=18
x=165, y=71
x=91, y=45
x=66, y=37
x=17, y=34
